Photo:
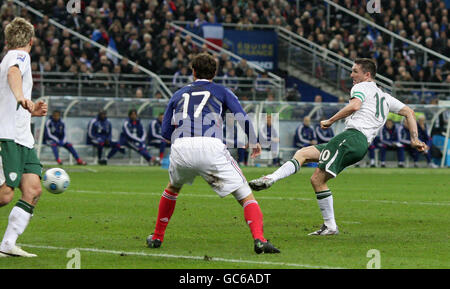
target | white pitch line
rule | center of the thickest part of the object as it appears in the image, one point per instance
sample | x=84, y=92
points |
x=268, y=198
x=349, y=222
x=213, y=259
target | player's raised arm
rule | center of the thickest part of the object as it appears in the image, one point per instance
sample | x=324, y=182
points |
x=349, y=109
x=410, y=119
x=402, y=109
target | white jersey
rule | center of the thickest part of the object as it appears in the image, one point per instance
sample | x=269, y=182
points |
x=15, y=122
x=372, y=115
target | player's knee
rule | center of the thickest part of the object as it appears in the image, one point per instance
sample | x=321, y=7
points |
x=6, y=195
x=315, y=180
x=302, y=155
x=6, y=199
x=173, y=189
x=33, y=191
x=299, y=155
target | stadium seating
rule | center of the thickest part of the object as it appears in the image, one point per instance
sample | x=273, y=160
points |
x=140, y=31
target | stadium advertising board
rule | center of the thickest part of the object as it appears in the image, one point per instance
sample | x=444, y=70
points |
x=258, y=47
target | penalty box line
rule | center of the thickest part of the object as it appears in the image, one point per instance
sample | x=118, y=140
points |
x=212, y=259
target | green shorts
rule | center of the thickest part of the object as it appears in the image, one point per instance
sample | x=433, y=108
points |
x=343, y=150
x=16, y=160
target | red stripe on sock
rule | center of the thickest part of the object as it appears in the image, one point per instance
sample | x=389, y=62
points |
x=165, y=211
x=254, y=218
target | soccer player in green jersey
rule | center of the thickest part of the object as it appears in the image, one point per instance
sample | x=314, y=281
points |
x=365, y=115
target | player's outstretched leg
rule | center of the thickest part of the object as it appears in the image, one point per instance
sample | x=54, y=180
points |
x=165, y=210
x=304, y=155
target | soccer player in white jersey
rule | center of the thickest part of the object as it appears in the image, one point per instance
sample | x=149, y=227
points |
x=19, y=164
x=365, y=115
x=193, y=124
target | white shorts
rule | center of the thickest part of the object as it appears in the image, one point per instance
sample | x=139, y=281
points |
x=209, y=158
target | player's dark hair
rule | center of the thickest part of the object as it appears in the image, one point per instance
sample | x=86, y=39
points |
x=131, y=111
x=204, y=65
x=367, y=65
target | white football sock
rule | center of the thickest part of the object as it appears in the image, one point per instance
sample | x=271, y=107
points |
x=288, y=168
x=325, y=201
x=17, y=223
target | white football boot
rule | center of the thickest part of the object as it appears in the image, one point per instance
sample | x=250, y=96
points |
x=323, y=231
x=16, y=251
x=261, y=184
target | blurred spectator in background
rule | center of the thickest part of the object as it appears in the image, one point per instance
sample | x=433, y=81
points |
x=230, y=81
x=270, y=140
x=319, y=113
x=404, y=138
x=305, y=134
x=262, y=83
x=99, y=135
x=155, y=138
x=55, y=136
x=425, y=137
x=181, y=78
x=371, y=150
x=323, y=135
x=292, y=93
x=133, y=136
x=389, y=141
x=247, y=85
x=139, y=93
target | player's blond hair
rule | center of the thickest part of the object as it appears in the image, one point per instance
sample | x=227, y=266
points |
x=18, y=33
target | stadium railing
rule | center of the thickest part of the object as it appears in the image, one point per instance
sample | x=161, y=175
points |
x=125, y=85
x=421, y=92
x=78, y=111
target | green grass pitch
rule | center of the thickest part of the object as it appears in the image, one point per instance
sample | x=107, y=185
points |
x=107, y=213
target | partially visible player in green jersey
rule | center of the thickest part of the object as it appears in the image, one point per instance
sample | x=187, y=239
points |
x=365, y=115
x=19, y=164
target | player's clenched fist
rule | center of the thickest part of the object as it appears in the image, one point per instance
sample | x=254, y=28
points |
x=420, y=146
x=324, y=124
x=40, y=108
x=27, y=104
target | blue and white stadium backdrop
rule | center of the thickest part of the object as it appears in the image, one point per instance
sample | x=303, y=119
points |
x=258, y=47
